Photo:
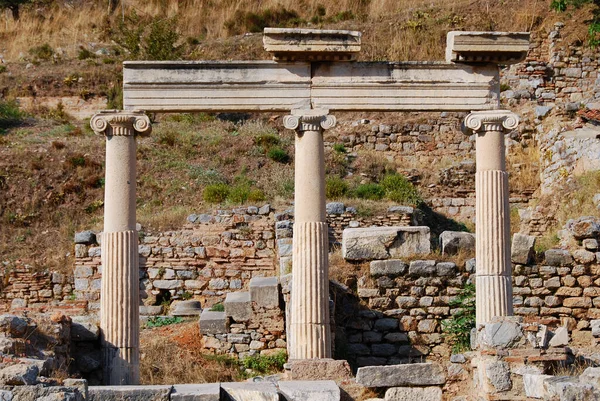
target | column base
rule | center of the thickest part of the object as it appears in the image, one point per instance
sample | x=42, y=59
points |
x=311, y=340
x=121, y=366
x=493, y=297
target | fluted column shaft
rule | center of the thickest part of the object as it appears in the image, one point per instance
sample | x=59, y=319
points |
x=493, y=271
x=310, y=335
x=119, y=299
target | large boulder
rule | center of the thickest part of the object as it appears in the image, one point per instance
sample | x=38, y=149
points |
x=452, y=242
x=584, y=227
x=374, y=243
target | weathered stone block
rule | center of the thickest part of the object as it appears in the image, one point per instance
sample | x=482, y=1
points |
x=584, y=227
x=19, y=375
x=129, y=393
x=558, y=257
x=452, y=242
x=238, y=306
x=213, y=322
x=414, y=374
x=505, y=334
x=522, y=248
x=85, y=237
x=196, y=392
x=185, y=308
x=413, y=394
x=264, y=292
x=421, y=268
x=384, y=242
x=84, y=328
x=534, y=385
x=243, y=391
x=167, y=284
x=318, y=390
x=391, y=268
x=321, y=369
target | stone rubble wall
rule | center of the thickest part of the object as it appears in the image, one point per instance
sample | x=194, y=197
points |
x=22, y=285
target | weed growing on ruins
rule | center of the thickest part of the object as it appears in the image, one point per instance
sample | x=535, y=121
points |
x=336, y=188
x=43, y=52
x=10, y=114
x=400, y=190
x=278, y=154
x=264, y=364
x=457, y=329
x=159, y=321
x=219, y=307
x=216, y=193
x=370, y=191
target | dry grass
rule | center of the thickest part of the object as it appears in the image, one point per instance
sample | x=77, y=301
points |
x=395, y=30
x=523, y=166
x=172, y=354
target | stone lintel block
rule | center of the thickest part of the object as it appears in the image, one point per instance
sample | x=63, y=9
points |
x=294, y=44
x=374, y=243
x=487, y=47
x=238, y=306
x=412, y=374
x=212, y=322
x=196, y=392
x=413, y=394
x=322, y=390
x=264, y=291
x=242, y=391
x=131, y=393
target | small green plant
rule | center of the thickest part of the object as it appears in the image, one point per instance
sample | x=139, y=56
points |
x=504, y=87
x=256, y=195
x=239, y=194
x=400, y=190
x=249, y=21
x=186, y=295
x=340, y=148
x=265, y=364
x=10, y=114
x=336, y=188
x=77, y=160
x=558, y=5
x=267, y=140
x=216, y=193
x=2, y=68
x=219, y=307
x=278, y=154
x=159, y=321
x=42, y=52
x=85, y=54
x=457, y=328
x=370, y=191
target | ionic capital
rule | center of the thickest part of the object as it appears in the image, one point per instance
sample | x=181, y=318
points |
x=481, y=122
x=309, y=120
x=120, y=123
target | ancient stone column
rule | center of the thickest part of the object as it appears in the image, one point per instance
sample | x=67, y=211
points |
x=119, y=299
x=310, y=335
x=494, y=270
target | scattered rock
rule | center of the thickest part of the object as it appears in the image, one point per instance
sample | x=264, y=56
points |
x=584, y=227
x=560, y=338
x=522, y=249
x=452, y=242
x=413, y=394
x=85, y=237
x=19, y=375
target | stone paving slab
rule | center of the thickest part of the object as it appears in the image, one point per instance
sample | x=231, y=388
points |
x=196, y=392
x=315, y=390
x=246, y=391
x=129, y=393
x=411, y=374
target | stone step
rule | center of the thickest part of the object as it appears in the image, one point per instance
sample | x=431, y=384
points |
x=238, y=306
x=410, y=374
x=212, y=322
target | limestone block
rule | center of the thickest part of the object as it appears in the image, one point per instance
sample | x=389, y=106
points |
x=391, y=268
x=487, y=47
x=130, y=393
x=185, y=308
x=444, y=269
x=413, y=394
x=244, y=391
x=560, y=338
x=534, y=385
x=384, y=242
x=150, y=310
x=335, y=208
x=264, y=291
x=422, y=268
x=497, y=374
x=414, y=374
x=504, y=334
x=40, y=392
x=595, y=325
x=80, y=250
x=212, y=322
x=238, y=306
x=304, y=390
x=452, y=242
x=584, y=227
x=321, y=369
x=167, y=284
x=19, y=375
x=401, y=210
x=558, y=257
x=79, y=384
x=196, y=392
x=591, y=375
x=583, y=256
x=85, y=237
x=522, y=248
x=84, y=328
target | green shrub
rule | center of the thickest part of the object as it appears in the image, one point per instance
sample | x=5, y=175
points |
x=335, y=188
x=400, y=190
x=216, y=193
x=248, y=21
x=85, y=54
x=2, y=68
x=370, y=191
x=159, y=321
x=10, y=114
x=114, y=96
x=265, y=364
x=219, y=307
x=279, y=155
x=43, y=52
x=256, y=195
x=339, y=147
x=457, y=329
x=239, y=194
x=267, y=140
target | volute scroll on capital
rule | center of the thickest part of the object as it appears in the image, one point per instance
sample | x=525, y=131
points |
x=121, y=123
x=493, y=120
x=309, y=122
